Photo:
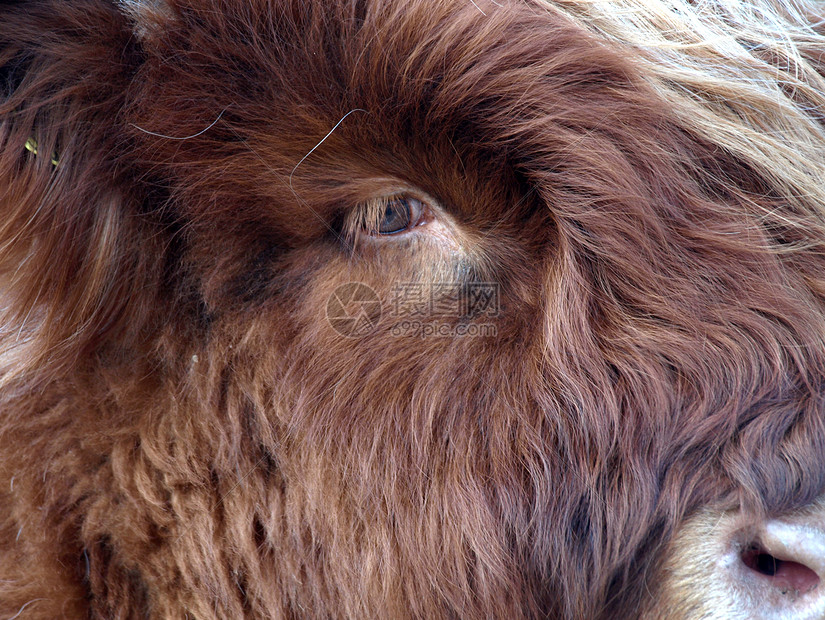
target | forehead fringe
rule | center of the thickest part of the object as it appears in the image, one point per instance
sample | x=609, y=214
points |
x=741, y=75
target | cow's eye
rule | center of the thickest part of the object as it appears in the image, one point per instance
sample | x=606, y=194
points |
x=398, y=214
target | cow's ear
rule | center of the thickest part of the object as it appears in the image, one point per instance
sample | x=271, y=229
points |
x=149, y=17
x=73, y=238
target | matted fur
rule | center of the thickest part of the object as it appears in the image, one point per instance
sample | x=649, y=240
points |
x=184, y=435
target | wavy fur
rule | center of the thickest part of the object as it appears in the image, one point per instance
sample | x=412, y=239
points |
x=183, y=434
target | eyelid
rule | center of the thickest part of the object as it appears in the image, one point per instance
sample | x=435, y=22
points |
x=363, y=215
x=368, y=216
x=414, y=212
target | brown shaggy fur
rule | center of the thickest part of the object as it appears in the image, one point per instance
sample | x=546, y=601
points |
x=183, y=435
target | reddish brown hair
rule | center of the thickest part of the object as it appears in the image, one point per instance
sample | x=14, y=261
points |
x=184, y=434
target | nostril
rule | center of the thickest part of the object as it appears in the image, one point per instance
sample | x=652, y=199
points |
x=785, y=574
x=736, y=566
x=777, y=570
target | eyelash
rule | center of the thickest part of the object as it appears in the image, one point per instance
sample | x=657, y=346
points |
x=391, y=216
x=400, y=214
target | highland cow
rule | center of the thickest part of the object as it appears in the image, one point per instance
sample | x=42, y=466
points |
x=412, y=309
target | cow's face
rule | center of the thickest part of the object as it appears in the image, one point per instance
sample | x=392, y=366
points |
x=423, y=309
